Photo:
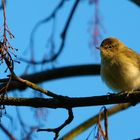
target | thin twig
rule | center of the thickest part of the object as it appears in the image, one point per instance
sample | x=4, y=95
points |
x=106, y=123
x=101, y=132
x=63, y=36
x=30, y=133
x=37, y=88
x=1, y=6
x=92, y=121
x=11, y=137
x=38, y=24
x=58, y=129
x=4, y=50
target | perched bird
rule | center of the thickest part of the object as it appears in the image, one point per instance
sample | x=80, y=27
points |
x=120, y=65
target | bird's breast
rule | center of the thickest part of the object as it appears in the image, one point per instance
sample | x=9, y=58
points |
x=120, y=75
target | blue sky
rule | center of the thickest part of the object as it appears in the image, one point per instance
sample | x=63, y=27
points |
x=120, y=19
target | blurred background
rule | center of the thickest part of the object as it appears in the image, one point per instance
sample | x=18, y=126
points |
x=39, y=37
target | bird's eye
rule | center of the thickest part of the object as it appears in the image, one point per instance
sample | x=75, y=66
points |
x=110, y=47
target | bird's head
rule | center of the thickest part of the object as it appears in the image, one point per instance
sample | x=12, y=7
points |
x=110, y=47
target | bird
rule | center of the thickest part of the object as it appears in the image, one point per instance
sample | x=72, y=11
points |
x=120, y=65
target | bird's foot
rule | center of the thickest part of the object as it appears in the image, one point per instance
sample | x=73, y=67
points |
x=126, y=92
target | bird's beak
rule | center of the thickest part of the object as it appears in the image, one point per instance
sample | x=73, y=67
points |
x=99, y=48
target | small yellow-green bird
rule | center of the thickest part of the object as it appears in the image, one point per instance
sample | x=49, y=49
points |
x=120, y=65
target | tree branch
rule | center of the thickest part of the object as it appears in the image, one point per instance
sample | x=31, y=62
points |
x=92, y=121
x=58, y=129
x=63, y=34
x=37, y=88
x=5, y=130
x=71, y=102
x=137, y=2
x=58, y=73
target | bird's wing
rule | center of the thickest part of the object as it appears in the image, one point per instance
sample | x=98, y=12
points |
x=132, y=55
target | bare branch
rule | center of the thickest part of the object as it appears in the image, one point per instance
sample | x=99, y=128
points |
x=4, y=49
x=1, y=7
x=57, y=73
x=38, y=88
x=71, y=102
x=58, y=129
x=93, y=120
x=101, y=133
x=63, y=34
x=137, y=2
x=11, y=137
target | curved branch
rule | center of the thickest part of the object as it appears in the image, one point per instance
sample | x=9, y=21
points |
x=58, y=129
x=63, y=34
x=93, y=120
x=58, y=73
x=137, y=2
